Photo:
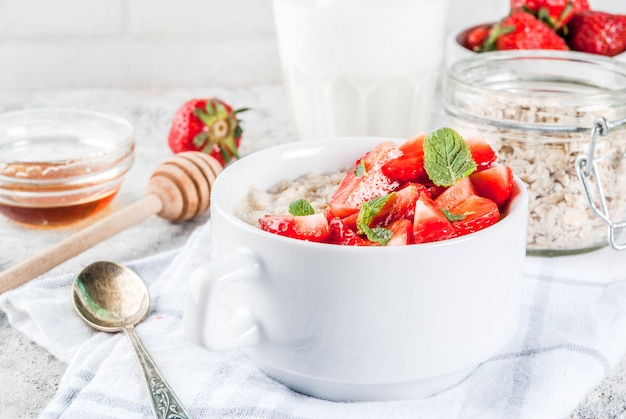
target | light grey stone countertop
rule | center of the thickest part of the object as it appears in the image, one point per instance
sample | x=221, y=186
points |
x=29, y=375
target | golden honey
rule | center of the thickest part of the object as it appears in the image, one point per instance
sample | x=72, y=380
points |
x=61, y=166
x=55, y=216
x=44, y=198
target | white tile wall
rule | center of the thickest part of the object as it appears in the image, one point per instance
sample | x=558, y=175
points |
x=136, y=43
x=206, y=18
x=156, y=43
x=25, y=19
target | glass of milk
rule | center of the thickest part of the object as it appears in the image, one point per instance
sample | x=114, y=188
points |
x=360, y=67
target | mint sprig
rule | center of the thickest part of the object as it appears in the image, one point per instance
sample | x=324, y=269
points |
x=368, y=211
x=447, y=157
x=360, y=170
x=378, y=234
x=301, y=207
x=452, y=217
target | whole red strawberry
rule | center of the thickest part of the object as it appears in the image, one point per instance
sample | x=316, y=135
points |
x=207, y=125
x=477, y=37
x=597, y=33
x=522, y=30
x=555, y=13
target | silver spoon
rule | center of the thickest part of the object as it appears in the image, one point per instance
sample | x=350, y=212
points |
x=112, y=298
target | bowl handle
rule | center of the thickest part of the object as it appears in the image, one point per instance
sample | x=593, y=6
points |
x=201, y=320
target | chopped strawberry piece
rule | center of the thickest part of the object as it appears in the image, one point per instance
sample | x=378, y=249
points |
x=304, y=227
x=435, y=190
x=401, y=205
x=495, y=183
x=481, y=213
x=455, y=194
x=402, y=232
x=407, y=168
x=414, y=145
x=429, y=223
x=366, y=184
x=482, y=153
x=340, y=233
x=350, y=220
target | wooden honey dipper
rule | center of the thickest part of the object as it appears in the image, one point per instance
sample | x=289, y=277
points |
x=178, y=190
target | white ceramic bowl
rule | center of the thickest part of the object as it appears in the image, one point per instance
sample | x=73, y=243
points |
x=456, y=47
x=353, y=323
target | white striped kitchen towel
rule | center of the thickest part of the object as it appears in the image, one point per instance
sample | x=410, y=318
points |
x=573, y=333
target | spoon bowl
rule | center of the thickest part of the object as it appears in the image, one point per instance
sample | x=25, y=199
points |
x=112, y=298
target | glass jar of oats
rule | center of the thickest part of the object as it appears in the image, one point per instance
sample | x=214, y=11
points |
x=558, y=119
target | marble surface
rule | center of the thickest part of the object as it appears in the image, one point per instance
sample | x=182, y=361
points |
x=29, y=375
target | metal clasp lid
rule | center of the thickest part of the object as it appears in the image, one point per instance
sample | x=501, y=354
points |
x=586, y=168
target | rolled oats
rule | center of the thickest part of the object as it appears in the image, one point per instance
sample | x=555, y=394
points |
x=537, y=110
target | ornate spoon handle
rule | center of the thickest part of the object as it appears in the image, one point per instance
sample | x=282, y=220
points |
x=165, y=404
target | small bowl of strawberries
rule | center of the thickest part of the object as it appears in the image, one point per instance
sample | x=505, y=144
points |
x=544, y=24
x=357, y=269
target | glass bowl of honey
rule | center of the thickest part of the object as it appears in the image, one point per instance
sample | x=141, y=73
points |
x=60, y=166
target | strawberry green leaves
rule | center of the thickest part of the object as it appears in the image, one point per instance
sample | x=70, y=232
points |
x=210, y=126
x=447, y=157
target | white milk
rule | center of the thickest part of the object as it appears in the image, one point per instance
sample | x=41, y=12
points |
x=360, y=67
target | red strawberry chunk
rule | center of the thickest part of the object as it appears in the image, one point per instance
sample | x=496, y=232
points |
x=495, y=183
x=429, y=223
x=356, y=189
x=482, y=153
x=434, y=190
x=455, y=194
x=401, y=205
x=402, y=232
x=414, y=145
x=407, y=168
x=481, y=213
x=304, y=227
x=341, y=234
x=350, y=220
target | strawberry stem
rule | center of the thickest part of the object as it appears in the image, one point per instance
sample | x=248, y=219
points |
x=566, y=10
x=543, y=15
x=496, y=32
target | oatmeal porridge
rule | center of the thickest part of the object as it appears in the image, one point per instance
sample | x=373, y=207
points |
x=314, y=187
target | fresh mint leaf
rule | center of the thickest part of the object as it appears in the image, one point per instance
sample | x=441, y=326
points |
x=447, y=157
x=377, y=234
x=360, y=170
x=371, y=208
x=452, y=217
x=301, y=207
